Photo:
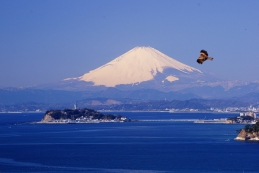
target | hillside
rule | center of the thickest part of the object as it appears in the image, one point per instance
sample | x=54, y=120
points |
x=82, y=115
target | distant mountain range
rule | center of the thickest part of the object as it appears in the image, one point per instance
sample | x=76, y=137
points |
x=140, y=75
x=144, y=68
x=113, y=99
x=14, y=95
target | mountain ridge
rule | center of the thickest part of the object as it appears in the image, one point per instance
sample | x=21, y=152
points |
x=140, y=64
x=147, y=68
x=157, y=72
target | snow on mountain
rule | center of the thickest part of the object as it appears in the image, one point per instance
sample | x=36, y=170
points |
x=138, y=65
x=145, y=69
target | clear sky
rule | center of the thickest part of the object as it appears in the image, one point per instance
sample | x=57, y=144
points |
x=45, y=41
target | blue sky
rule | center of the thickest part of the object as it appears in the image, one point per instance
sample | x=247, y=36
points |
x=45, y=41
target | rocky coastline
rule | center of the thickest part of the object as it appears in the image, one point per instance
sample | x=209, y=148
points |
x=249, y=133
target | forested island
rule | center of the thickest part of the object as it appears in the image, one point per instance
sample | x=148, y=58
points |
x=80, y=116
x=249, y=133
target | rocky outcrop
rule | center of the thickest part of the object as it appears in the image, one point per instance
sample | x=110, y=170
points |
x=247, y=136
x=47, y=117
x=242, y=135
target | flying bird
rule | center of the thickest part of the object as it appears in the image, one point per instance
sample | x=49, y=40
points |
x=203, y=57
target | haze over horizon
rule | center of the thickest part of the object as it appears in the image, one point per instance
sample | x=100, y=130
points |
x=47, y=41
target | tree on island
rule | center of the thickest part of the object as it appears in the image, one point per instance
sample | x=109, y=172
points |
x=73, y=114
x=250, y=128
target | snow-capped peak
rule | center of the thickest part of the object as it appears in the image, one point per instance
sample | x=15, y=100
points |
x=135, y=66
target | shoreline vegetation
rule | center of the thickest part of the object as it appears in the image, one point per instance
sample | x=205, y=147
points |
x=249, y=133
x=69, y=116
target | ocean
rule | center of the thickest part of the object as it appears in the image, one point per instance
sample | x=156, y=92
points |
x=145, y=147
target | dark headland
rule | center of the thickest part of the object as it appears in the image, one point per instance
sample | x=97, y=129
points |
x=249, y=133
x=67, y=116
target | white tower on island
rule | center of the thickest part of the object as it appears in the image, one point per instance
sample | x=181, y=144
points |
x=75, y=107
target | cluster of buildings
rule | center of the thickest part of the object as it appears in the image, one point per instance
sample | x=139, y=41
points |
x=235, y=109
x=218, y=110
x=250, y=114
x=83, y=120
x=243, y=118
x=242, y=109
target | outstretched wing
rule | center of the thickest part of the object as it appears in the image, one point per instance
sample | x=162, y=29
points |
x=203, y=56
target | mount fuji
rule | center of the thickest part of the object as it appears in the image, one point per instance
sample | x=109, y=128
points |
x=142, y=67
x=143, y=73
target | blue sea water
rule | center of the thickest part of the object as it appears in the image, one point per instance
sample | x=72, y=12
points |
x=145, y=147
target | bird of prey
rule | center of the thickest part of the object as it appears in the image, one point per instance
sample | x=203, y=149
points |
x=203, y=57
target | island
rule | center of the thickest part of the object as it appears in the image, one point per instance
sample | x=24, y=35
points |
x=249, y=133
x=68, y=116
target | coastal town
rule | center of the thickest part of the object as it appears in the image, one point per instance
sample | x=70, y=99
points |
x=243, y=118
x=171, y=110
x=218, y=110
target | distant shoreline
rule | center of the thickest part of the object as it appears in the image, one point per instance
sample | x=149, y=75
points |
x=21, y=112
x=174, y=112
x=135, y=111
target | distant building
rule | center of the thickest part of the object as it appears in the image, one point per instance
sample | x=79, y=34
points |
x=251, y=114
x=241, y=114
